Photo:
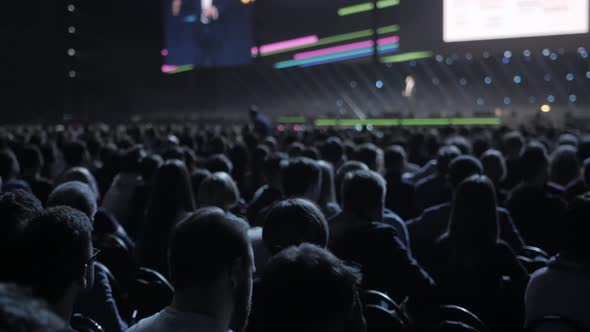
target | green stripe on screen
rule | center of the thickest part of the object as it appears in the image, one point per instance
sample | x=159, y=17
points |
x=181, y=69
x=407, y=57
x=409, y=122
x=388, y=29
x=363, y=7
x=366, y=7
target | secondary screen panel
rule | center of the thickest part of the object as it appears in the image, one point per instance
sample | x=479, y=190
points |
x=473, y=20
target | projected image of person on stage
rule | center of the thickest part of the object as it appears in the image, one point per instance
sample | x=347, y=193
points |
x=208, y=33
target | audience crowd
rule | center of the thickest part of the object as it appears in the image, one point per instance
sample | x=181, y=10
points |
x=191, y=227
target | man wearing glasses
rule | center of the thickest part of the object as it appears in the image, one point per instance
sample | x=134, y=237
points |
x=59, y=257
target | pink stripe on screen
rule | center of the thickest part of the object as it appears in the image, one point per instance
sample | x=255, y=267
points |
x=288, y=44
x=335, y=49
x=388, y=40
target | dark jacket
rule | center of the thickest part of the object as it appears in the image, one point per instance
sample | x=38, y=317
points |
x=433, y=223
x=385, y=262
x=489, y=282
x=536, y=213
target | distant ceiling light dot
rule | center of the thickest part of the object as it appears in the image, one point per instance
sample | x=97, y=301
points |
x=487, y=80
x=379, y=84
x=71, y=8
x=546, y=52
x=449, y=61
x=505, y=60
x=71, y=52
x=435, y=81
x=486, y=54
x=480, y=101
x=469, y=56
x=553, y=56
x=527, y=53
x=439, y=58
x=517, y=79
x=508, y=54
x=507, y=101
x=463, y=81
x=551, y=99
x=573, y=98
x=545, y=108
x=164, y=52
x=569, y=77
x=72, y=30
x=547, y=77
x=353, y=84
x=72, y=73
x=532, y=99
x=588, y=75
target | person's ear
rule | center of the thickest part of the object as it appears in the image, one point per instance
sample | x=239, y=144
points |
x=83, y=277
x=236, y=273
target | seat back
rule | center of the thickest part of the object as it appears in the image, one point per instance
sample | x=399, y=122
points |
x=455, y=313
x=380, y=319
x=452, y=326
x=373, y=297
x=150, y=293
x=82, y=323
x=555, y=323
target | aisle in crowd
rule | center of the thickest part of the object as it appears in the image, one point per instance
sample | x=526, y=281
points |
x=196, y=227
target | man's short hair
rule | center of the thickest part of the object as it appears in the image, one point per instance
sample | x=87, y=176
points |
x=369, y=154
x=219, y=189
x=31, y=158
x=444, y=156
x=363, y=192
x=307, y=288
x=463, y=167
x=564, y=166
x=395, y=158
x=81, y=174
x=272, y=163
x=17, y=208
x=21, y=312
x=347, y=167
x=299, y=175
x=75, y=194
x=9, y=167
x=74, y=152
x=292, y=222
x=533, y=160
x=332, y=150
x=149, y=166
x=205, y=245
x=56, y=246
x=494, y=165
x=219, y=163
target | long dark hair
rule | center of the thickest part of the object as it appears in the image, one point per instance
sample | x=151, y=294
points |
x=171, y=198
x=474, y=219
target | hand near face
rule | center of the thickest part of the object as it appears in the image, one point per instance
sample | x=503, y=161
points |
x=176, y=6
x=211, y=13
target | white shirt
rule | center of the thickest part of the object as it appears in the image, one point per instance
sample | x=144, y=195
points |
x=172, y=320
x=206, y=3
